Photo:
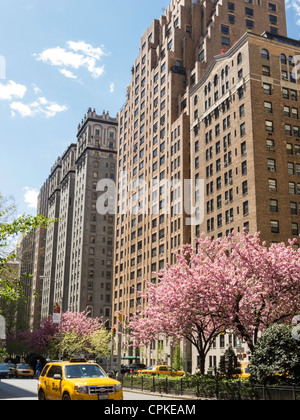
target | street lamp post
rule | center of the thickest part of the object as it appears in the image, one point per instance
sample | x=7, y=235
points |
x=57, y=319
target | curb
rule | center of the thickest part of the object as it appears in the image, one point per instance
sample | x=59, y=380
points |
x=158, y=394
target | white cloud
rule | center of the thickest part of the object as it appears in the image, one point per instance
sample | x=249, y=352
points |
x=87, y=49
x=295, y=4
x=112, y=87
x=12, y=90
x=75, y=55
x=68, y=74
x=30, y=197
x=41, y=107
x=37, y=90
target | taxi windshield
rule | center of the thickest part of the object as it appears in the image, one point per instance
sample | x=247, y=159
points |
x=84, y=371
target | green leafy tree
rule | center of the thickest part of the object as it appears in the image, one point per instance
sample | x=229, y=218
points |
x=178, y=361
x=100, y=341
x=228, y=363
x=276, y=357
x=10, y=228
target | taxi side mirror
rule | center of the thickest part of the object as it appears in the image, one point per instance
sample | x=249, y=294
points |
x=57, y=377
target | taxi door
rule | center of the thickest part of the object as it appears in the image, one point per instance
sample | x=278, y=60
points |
x=53, y=386
x=163, y=370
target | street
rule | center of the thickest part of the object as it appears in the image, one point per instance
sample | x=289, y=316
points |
x=26, y=389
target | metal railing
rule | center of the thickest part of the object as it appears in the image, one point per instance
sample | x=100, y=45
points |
x=214, y=389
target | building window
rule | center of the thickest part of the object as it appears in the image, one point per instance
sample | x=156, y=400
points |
x=245, y=208
x=265, y=54
x=274, y=206
x=292, y=188
x=243, y=129
x=293, y=207
x=269, y=126
x=266, y=71
x=239, y=58
x=268, y=107
x=295, y=229
x=274, y=226
x=271, y=165
x=225, y=41
x=272, y=185
x=267, y=89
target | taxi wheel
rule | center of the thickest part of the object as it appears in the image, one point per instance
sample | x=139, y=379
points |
x=66, y=397
x=41, y=395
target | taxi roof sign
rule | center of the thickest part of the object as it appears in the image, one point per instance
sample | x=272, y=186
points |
x=78, y=360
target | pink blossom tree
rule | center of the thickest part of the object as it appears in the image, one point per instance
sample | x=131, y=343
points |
x=79, y=331
x=234, y=284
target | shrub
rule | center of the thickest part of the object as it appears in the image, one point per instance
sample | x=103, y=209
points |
x=276, y=358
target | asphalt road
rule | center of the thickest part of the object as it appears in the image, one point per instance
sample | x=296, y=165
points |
x=26, y=389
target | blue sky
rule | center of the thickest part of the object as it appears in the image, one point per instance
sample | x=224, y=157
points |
x=62, y=57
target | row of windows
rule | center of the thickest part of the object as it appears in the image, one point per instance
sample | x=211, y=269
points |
x=226, y=218
x=286, y=93
x=288, y=112
x=275, y=227
x=294, y=188
x=265, y=55
x=294, y=207
x=293, y=168
x=274, y=224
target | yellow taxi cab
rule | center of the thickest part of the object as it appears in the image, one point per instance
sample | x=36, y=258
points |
x=24, y=371
x=161, y=370
x=77, y=380
x=243, y=371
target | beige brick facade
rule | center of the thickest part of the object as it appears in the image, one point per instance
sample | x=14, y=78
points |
x=245, y=140
x=154, y=133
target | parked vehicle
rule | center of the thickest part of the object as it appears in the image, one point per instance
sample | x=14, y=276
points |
x=24, y=371
x=12, y=369
x=4, y=371
x=125, y=369
x=243, y=371
x=161, y=370
x=134, y=367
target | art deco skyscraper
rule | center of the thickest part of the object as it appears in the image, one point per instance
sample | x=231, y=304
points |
x=79, y=249
x=153, y=212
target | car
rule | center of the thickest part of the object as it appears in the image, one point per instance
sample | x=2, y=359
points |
x=242, y=372
x=4, y=371
x=125, y=369
x=24, y=371
x=12, y=369
x=161, y=370
x=134, y=367
x=77, y=380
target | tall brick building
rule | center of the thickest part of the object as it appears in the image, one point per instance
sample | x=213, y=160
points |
x=245, y=145
x=156, y=145
x=78, y=262
x=245, y=139
x=160, y=136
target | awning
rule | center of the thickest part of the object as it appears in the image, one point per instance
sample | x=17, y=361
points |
x=131, y=358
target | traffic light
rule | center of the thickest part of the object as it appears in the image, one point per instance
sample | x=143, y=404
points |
x=113, y=332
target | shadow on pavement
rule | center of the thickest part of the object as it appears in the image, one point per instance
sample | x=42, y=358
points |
x=9, y=390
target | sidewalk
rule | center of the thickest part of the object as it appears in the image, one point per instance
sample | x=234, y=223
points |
x=160, y=394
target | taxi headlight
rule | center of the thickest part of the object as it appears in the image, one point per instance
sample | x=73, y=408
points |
x=81, y=389
x=118, y=388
